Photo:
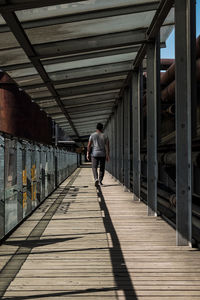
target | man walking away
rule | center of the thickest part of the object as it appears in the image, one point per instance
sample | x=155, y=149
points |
x=100, y=152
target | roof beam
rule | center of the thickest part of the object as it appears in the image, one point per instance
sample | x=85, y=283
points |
x=91, y=108
x=89, y=99
x=87, y=74
x=88, y=123
x=24, y=42
x=91, y=88
x=77, y=80
x=153, y=30
x=15, y=5
x=88, y=107
x=91, y=15
x=89, y=104
x=100, y=42
x=69, y=58
x=83, y=115
x=78, y=74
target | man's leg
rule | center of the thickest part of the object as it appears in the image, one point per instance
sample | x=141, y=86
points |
x=94, y=167
x=102, y=168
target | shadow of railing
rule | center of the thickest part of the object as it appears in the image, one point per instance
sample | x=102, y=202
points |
x=119, y=264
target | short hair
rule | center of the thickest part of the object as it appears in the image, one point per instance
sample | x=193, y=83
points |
x=100, y=126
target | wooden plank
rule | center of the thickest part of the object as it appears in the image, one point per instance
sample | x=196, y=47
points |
x=85, y=254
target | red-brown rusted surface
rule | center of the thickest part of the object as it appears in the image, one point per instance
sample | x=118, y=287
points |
x=19, y=116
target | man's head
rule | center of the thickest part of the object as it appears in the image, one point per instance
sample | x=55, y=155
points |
x=100, y=127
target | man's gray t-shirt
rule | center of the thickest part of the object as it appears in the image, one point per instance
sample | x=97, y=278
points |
x=99, y=141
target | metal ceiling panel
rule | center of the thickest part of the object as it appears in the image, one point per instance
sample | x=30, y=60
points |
x=87, y=89
x=84, y=122
x=95, y=107
x=165, y=32
x=46, y=104
x=2, y=21
x=28, y=80
x=14, y=5
x=58, y=117
x=81, y=45
x=73, y=57
x=8, y=41
x=89, y=72
x=102, y=92
x=90, y=104
x=77, y=30
x=82, y=115
x=36, y=94
x=91, y=54
x=90, y=62
x=51, y=110
x=91, y=81
x=22, y=72
x=89, y=99
x=70, y=9
x=12, y=57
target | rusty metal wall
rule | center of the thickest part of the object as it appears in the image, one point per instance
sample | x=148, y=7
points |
x=20, y=116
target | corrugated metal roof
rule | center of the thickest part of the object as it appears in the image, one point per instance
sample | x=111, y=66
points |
x=73, y=57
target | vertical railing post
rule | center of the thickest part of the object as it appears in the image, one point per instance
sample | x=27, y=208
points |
x=119, y=141
x=127, y=140
x=122, y=141
x=28, y=170
x=136, y=133
x=125, y=129
x=185, y=63
x=19, y=183
x=153, y=69
x=2, y=188
x=113, y=146
x=110, y=141
x=116, y=144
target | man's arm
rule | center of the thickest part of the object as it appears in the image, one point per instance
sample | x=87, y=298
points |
x=88, y=149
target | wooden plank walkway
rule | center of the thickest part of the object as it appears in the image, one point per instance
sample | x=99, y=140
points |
x=87, y=244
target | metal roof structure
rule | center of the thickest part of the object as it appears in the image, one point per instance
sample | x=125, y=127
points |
x=74, y=57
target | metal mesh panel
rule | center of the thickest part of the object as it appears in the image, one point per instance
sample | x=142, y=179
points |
x=28, y=174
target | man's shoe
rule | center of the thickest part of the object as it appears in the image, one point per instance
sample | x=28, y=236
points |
x=101, y=183
x=96, y=183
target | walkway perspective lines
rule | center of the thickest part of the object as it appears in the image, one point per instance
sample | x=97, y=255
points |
x=88, y=243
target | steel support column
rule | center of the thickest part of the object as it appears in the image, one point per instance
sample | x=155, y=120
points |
x=116, y=153
x=153, y=69
x=136, y=133
x=118, y=142
x=107, y=132
x=141, y=109
x=19, y=183
x=127, y=140
x=110, y=144
x=184, y=35
x=122, y=141
x=113, y=145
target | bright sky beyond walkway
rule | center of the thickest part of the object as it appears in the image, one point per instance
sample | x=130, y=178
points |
x=169, y=51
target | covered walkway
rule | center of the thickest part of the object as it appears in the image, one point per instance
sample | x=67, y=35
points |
x=83, y=243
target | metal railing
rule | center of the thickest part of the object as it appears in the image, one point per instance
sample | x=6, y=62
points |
x=29, y=172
